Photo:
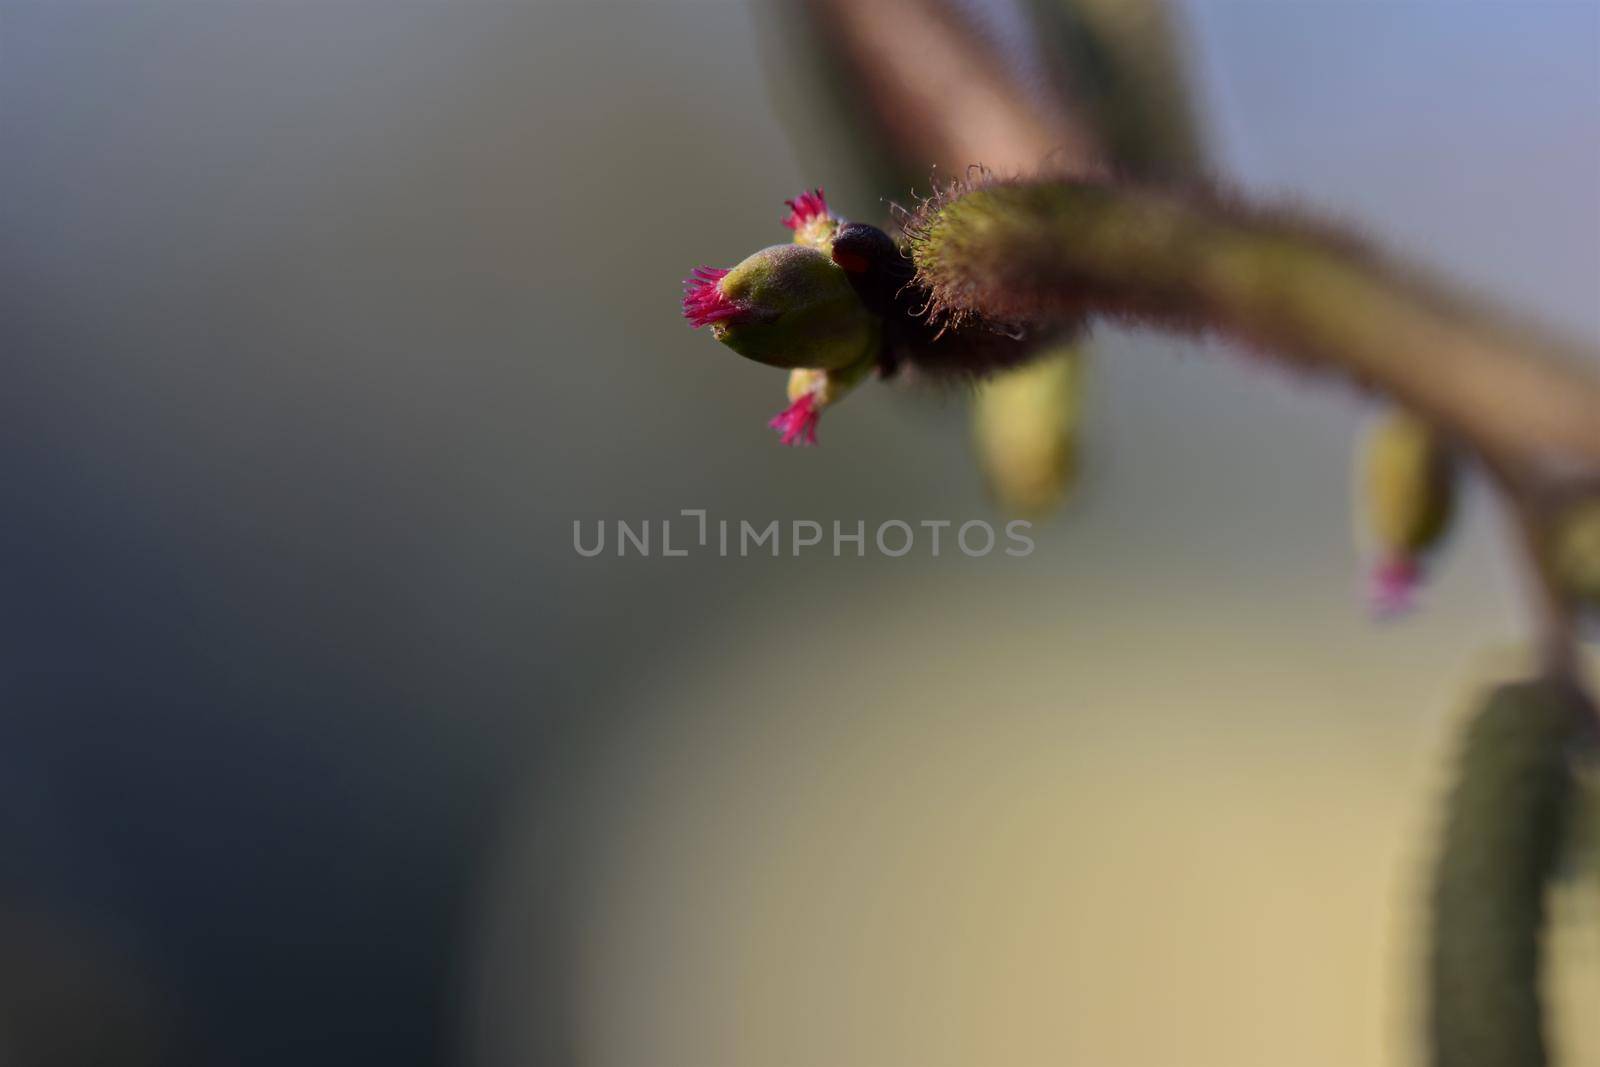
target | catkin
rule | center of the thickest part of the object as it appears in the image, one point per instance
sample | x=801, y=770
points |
x=1506, y=822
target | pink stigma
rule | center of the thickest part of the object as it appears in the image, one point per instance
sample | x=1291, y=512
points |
x=703, y=301
x=1392, y=586
x=805, y=208
x=798, y=422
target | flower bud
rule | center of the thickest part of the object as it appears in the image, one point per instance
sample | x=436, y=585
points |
x=1408, y=485
x=785, y=306
x=810, y=393
x=813, y=224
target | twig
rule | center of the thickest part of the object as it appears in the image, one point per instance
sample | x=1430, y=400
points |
x=1526, y=405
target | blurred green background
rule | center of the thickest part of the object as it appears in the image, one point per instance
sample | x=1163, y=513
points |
x=323, y=323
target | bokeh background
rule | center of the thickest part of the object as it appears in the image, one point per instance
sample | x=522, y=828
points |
x=321, y=324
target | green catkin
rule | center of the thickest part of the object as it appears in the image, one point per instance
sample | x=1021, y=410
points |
x=1507, y=821
x=1408, y=484
x=1576, y=553
x=1025, y=428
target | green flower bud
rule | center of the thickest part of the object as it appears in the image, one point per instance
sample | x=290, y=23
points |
x=785, y=306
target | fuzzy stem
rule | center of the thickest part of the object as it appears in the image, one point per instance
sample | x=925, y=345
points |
x=1033, y=252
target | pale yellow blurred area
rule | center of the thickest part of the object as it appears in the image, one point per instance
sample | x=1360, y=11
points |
x=1206, y=843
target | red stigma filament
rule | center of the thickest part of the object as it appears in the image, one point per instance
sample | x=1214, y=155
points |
x=1392, y=586
x=805, y=208
x=797, y=423
x=703, y=299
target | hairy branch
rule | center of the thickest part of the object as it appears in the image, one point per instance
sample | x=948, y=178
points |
x=1034, y=252
x=1526, y=405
